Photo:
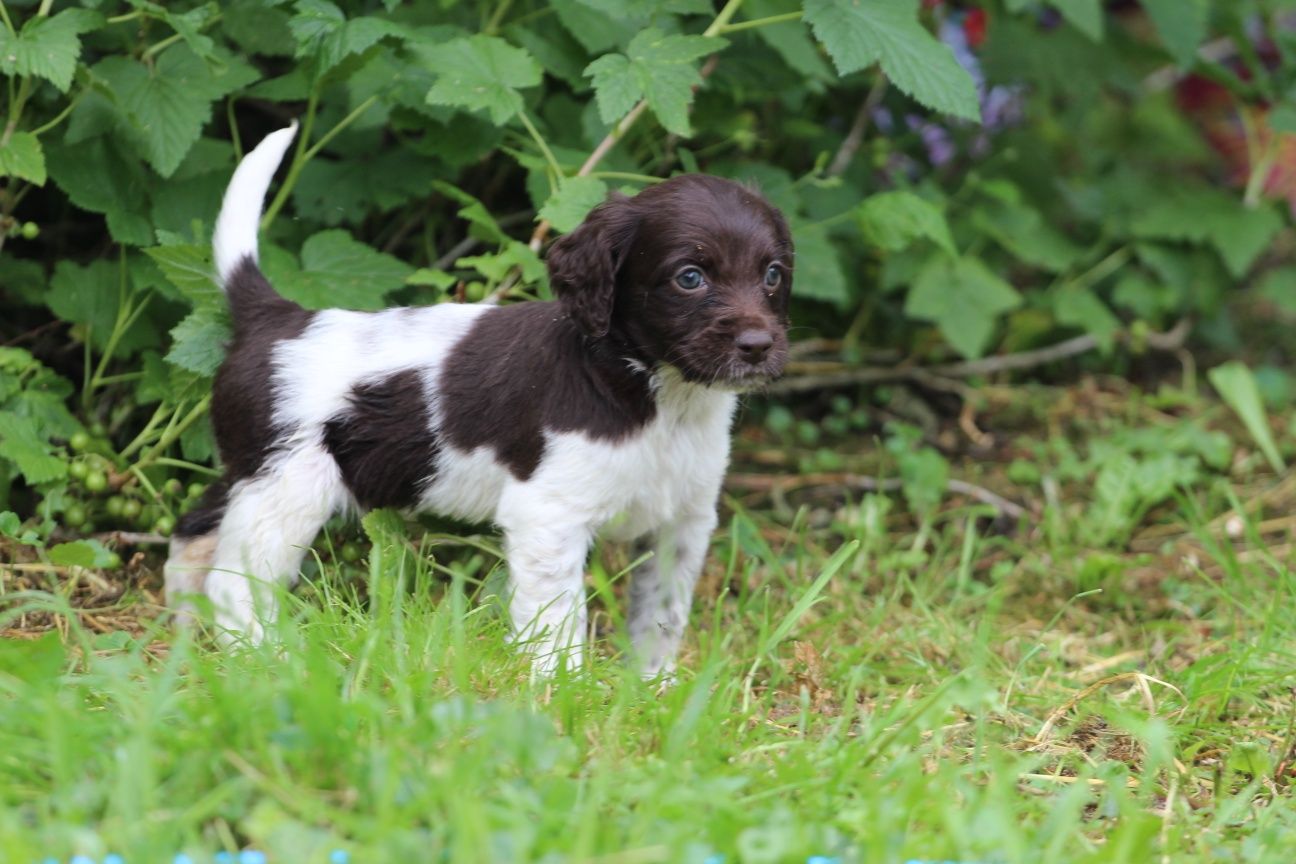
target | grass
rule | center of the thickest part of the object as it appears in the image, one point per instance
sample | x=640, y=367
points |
x=1110, y=682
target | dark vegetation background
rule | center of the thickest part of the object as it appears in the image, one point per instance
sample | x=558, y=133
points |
x=983, y=193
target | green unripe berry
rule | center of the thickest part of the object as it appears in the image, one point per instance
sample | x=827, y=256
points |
x=114, y=561
x=173, y=487
x=74, y=515
x=164, y=525
x=351, y=552
x=79, y=441
x=115, y=506
x=130, y=508
x=78, y=470
x=96, y=481
x=30, y=231
x=195, y=490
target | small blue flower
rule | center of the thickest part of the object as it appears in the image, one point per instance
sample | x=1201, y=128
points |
x=81, y=859
x=224, y=858
x=182, y=858
x=51, y=861
x=113, y=858
x=339, y=856
x=252, y=856
x=822, y=859
x=715, y=859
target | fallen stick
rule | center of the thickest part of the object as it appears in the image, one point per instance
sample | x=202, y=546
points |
x=782, y=483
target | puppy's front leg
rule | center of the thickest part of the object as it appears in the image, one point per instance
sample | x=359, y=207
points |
x=546, y=560
x=661, y=590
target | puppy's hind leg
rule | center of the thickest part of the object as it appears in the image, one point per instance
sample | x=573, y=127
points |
x=269, y=522
x=192, y=547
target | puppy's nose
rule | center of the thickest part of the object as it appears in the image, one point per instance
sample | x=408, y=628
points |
x=753, y=345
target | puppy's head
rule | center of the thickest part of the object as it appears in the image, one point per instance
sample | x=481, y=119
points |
x=694, y=272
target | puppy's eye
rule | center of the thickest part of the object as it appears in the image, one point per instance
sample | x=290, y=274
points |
x=773, y=277
x=690, y=278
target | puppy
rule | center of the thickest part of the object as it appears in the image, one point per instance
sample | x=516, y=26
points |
x=607, y=410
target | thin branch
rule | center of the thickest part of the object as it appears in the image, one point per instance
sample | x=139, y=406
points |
x=864, y=482
x=855, y=137
x=1171, y=340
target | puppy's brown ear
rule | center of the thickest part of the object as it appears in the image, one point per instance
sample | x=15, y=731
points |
x=583, y=265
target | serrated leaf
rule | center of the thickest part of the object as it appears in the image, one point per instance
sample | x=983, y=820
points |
x=80, y=553
x=516, y=254
x=1084, y=15
x=819, y=274
x=576, y=196
x=963, y=298
x=657, y=67
x=47, y=47
x=322, y=31
x=893, y=220
x=98, y=178
x=1237, y=387
x=22, y=157
x=1182, y=25
x=483, y=73
x=166, y=106
x=339, y=271
x=595, y=30
x=23, y=443
x=1022, y=231
x=888, y=32
x=189, y=268
x=1239, y=233
x=198, y=342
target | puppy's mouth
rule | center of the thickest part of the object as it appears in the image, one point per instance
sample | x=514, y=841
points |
x=737, y=374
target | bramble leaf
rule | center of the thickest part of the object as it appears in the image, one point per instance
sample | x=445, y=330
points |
x=657, y=67
x=576, y=196
x=198, y=342
x=22, y=443
x=893, y=220
x=483, y=73
x=888, y=32
x=22, y=157
x=818, y=267
x=338, y=270
x=1181, y=25
x=47, y=47
x=963, y=298
x=1237, y=386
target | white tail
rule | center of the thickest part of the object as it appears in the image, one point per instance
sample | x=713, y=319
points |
x=240, y=214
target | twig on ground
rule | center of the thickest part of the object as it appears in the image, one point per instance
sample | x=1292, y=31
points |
x=1172, y=340
x=132, y=538
x=782, y=483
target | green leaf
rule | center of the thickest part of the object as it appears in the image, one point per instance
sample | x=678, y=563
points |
x=22, y=442
x=483, y=73
x=963, y=298
x=1279, y=288
x=1283, y=118
x=595, y=30
x=97, y=177
x=338, y=271
x=656, y=67
x=166, y=107
x=888, y=32
x=1237, y=386
x=893, y=220
x=1084, y=15
x=576, y=196
x=189, y=268
x=819, y=274
x=1023, y=232
x=496, y=267
x=47, y=47
x=80, y=553
x=198, y=342
x=1239, y=233
x=322, y=31
x=1182, y=25
x=23, y=158
x=1080, y=307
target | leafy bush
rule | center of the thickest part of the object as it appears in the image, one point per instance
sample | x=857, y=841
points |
x=442, y=141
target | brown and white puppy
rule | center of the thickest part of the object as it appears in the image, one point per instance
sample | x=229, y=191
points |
x=607, y=410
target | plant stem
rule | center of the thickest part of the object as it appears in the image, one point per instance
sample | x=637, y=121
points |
x=625, y=175
x=759, y=22
x=61, y=116
x=4, y=16
x=44, y=9
x=341, y=125
x=544, y=148
x=722, y=20
x=144, y=433
x=174, y=431
x=492, y=26
x=188, y=466
x=308, y=125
